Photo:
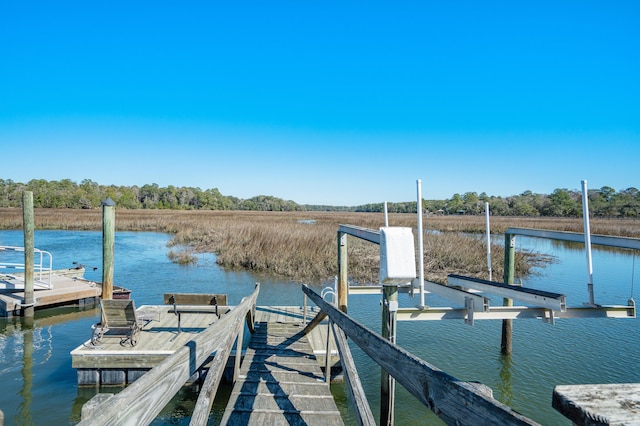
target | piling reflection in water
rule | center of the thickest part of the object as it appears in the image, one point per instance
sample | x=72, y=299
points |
x=505, y=385
x=27, y=373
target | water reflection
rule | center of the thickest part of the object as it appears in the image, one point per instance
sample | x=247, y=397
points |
x=24, y=409
x=505, y=384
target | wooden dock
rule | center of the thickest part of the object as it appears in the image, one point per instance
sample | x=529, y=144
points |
x=64, y=290
x=280, y=381
x=114, y=364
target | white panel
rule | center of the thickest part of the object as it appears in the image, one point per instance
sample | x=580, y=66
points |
x=397, y=256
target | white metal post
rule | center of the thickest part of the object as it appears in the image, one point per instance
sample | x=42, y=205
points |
x=386, y=215
x=486, y=212
x=587, y=240
x=420, y=244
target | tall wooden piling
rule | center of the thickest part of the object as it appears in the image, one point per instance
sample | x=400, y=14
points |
x=343, y=284
x=29, y=248
x=387, y=382
x=509, y=273
x=108, y=239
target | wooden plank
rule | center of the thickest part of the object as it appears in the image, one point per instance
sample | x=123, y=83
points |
x=454, y=401
x=201, y=411
x=364, y=416
x=594, y=404
x=195, y=299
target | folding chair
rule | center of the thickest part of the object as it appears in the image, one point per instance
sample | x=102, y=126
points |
x=119, y=319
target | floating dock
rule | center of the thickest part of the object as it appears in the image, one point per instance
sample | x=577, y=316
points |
x=62, y=289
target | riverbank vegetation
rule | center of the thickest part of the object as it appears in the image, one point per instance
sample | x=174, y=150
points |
x=603, y=202
x=302, y=246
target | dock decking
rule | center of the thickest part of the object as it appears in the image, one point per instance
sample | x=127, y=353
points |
x=280, y=381
x=65, y=290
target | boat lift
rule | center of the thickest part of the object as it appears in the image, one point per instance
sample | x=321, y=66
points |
x=15, y=281
x=470, y=294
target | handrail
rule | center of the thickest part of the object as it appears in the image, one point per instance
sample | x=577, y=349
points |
x=454, y=401
x=142, y=401
x=364, y=416
x=38, y=268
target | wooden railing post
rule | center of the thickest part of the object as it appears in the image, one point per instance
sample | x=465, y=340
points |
x=509, y=266
x=28, y=226
x=387, y=382
x=108, y=239
x=343, y=284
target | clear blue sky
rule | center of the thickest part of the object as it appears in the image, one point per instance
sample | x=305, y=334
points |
x=323, y=102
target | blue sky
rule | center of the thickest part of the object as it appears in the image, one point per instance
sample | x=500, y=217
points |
x=340, y=103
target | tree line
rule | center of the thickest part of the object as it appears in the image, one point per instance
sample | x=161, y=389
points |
x=603, y=202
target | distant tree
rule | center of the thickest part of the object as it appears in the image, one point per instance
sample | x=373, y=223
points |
x=562, y=204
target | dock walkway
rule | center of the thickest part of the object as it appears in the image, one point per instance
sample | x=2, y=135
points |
x=280, y=381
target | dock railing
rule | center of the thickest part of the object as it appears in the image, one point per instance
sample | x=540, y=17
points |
x=454, y=401
x=142, y=401
x=41, y=271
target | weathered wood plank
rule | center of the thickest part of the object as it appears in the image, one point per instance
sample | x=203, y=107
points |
x=454, y=401
x=604, y=404
x=364, y=416
x=207, y=394
x=195, y=299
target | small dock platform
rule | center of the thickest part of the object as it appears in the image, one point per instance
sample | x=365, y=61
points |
x=280, y=381
x=114, y=364
x=64, y=289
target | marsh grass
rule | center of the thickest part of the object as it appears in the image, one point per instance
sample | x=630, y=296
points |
x=184, y=256
x=302, y=246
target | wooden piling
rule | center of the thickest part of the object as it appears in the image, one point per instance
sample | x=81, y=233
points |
x=108, y=239
x=343, y=284
x=387, y=382
x=29, y=248
x=506, y=346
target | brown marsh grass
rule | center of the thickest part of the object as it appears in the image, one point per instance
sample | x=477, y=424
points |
x=302, y=246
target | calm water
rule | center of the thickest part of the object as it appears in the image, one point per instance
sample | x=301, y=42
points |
x=39, y=385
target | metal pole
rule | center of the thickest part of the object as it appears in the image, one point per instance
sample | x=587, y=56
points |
x=386, y=215
x=587, y=240
x=486, y=211
x=506, y=346
x=420, y=244
x=28, y=225
x=108, y=238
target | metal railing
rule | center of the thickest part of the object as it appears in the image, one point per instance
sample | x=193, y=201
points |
x=42, y=273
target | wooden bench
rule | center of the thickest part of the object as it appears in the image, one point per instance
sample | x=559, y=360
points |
x=194, y=303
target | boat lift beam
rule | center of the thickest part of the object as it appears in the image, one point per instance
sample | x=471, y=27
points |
x=577, y=237
x=533, y=297
x=515, y=312
x=459, y=296
x=362, y=233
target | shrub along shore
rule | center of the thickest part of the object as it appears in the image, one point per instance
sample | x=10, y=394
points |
x=302, y=246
